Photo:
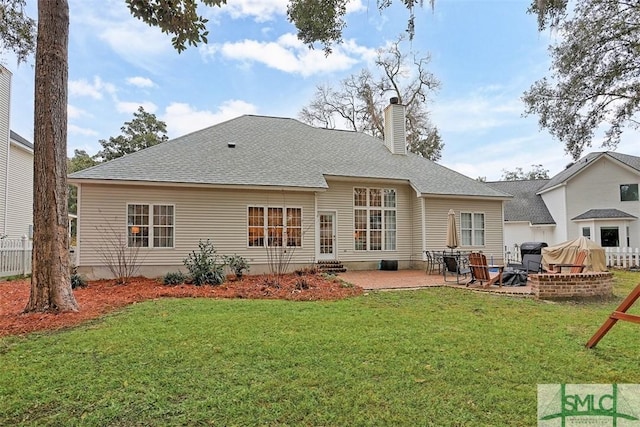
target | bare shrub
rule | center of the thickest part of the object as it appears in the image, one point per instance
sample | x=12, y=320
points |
x=114, y=251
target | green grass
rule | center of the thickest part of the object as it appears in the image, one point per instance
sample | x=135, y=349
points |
x=432, y=357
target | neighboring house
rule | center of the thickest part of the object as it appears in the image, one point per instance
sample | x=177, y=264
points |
x=596, y=197
x=16, y=171
x=256, y=182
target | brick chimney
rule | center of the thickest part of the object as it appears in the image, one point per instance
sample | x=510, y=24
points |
x=395, y=131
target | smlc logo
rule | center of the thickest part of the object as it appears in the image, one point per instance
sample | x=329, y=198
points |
x=563, y=405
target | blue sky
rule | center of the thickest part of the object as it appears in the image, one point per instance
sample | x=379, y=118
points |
x=484, y=52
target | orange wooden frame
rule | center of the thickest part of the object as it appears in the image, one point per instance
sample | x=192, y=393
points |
x=619, y=314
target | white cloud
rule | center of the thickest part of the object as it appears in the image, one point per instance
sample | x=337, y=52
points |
x=476, y=112
x=77, y=130
x=76, y=113
x=94, y=89
x=265, y=10
x=259, y=10
x=111, y=22
x=181, y=118
x=140, y=81
x=290, y=55
x=136, y=42
x=132, y=107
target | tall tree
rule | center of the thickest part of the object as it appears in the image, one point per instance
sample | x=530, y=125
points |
x=595, y=81
x=536, y=172
x=145, y=130
x=80, y=160
x=50, y=284
x=323, y=20
x=360, y=100
x=17, y=30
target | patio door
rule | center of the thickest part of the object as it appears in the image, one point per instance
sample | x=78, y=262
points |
x=327, y=233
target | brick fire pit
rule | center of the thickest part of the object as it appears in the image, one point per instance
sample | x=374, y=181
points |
x=575, y=286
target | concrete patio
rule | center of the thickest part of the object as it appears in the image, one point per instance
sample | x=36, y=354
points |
x=380, y=280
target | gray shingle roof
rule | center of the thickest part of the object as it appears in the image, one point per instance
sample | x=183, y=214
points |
x=272, y=151
x=14, y=136
x=604, y=214
x=627, y=159
x=526, y=205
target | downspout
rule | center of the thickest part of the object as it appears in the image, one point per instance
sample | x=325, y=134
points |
x=6, y=178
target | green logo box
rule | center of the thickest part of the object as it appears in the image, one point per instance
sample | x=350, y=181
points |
x=567, y=405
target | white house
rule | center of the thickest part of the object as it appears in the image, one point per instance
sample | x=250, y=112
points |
x=16, y=171
x=596, y=197
x=255, y=182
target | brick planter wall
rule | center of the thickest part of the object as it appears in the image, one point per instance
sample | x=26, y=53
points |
x=572, y=286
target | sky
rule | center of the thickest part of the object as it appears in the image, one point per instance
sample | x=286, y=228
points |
x=485, y=53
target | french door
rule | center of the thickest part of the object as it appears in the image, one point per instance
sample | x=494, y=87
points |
x=327, y=236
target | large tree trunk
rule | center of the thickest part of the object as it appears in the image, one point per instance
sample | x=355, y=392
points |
x=50, y=283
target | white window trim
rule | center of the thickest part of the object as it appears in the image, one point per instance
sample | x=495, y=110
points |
x=151, y=224
x=265, y=227
x=473, y=229
x=381, y=208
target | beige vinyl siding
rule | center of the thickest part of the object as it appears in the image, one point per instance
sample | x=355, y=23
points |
x=216, y=214
x=5, y=99
x=436, y=210
x=339, y=198
x=418, y=225
x=20, y=194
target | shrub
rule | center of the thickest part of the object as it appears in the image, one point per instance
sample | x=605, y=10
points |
x=309, y=270
x=302, y=284
x=203, y=265
x=173, y=278
x=77, y=281
x=113, y=248
x=237, y=264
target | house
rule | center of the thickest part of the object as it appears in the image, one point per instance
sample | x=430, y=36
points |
x=16, y=171
x=595, y=197
x=255, y=184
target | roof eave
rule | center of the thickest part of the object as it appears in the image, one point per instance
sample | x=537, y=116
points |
x=465, y=196
x=77, y=181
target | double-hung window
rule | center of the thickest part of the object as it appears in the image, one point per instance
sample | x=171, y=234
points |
x=150, y=225
x=472, y=228
x=274, y=226
x=374, y=219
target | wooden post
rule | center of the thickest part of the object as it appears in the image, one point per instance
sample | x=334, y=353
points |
x=619, y=314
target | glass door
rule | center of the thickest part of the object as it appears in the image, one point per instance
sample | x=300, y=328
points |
x=327, y=236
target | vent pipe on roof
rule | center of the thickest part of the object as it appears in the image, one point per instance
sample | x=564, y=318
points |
x=231, y=144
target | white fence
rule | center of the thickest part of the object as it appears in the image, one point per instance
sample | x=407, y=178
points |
x=15, y=257
x=623, y=257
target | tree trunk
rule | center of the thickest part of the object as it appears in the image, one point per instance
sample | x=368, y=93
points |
x=50, y=283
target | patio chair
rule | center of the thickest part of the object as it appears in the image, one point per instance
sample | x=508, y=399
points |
x=480, y=270
x=577, y=266
x=455, y=264
x=530, y=263
x=434, y=262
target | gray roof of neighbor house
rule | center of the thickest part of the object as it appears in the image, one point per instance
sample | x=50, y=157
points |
x=526, y=205
x=15, y=137
x=604, y=214
x=281, y=152
x=627, y=159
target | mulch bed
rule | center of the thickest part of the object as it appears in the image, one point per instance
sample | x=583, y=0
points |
x=103, y=296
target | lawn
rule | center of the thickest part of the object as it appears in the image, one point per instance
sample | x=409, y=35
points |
x=438, y=356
